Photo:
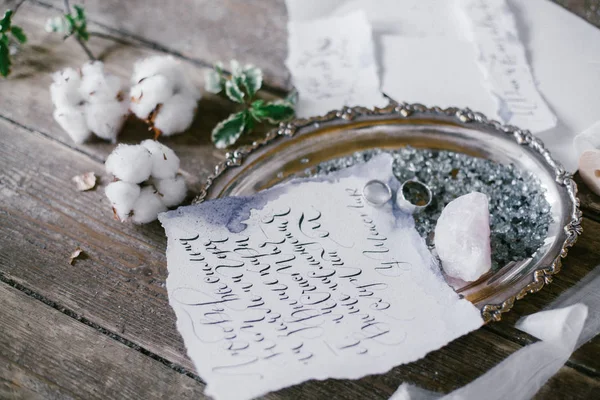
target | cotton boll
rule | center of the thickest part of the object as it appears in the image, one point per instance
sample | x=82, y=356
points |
x=150, y=92
x=106, y=119
x=122, y=196
x=167, y=66
x=176, y=114
x=165, y=162
x=148, y=206
x=92, y=68
x=173, y=190
x=97, y=86
x=130, y=163
x=72, y=120
x=100, y=89
x=64, y=91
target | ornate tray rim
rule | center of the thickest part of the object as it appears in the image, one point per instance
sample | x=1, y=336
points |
x=541, y=276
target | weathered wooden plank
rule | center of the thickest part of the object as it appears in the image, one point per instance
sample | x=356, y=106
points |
x=206, y=32
x=586, y=9
x=46, y=354
x=119, y=285
x=569, y=384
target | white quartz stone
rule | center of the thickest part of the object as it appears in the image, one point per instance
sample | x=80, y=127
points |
x=462, y=237
x=589, y=169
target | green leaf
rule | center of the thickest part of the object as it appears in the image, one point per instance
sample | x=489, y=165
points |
x=213, y=81
x=272, y=112
x=82, y=32
x=70, y=24
x=251, y=78
x=4, y=57
x=228, y=131
x=233, y=91
x=75, y=24
x=79, y=13
x=5, y=22
x=18, y=33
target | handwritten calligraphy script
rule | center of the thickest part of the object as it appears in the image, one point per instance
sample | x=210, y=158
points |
x=503, y=60
x=305, y=281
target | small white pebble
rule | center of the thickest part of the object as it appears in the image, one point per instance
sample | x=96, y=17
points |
x=149, y=93
x=72, y=120
x=165, y=162
x=172, y=190
x=122, y=197
x=106, y=119
x=148, y=205
x=130, y=163
x=176, y=114
x=64, y=91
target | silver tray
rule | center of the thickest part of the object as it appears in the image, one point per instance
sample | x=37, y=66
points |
x=293, y=147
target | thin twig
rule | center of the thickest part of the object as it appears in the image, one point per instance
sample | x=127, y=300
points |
x=19, y=4
x=107, y=36
x=85, y=48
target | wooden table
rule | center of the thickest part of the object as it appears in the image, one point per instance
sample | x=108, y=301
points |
x=103, y=328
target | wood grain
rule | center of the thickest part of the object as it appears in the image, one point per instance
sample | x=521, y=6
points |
x=119, y=285
x=45, y=354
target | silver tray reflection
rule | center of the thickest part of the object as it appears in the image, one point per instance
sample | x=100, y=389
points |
x=295, y=146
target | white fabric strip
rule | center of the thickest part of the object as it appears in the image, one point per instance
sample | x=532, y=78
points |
x=586, y=291
x=522, y=374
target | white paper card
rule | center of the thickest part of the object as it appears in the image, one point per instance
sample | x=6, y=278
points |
x=435, y=72
x=306, y=281
x=503, y=60
x=416, y=18
x=333, y=64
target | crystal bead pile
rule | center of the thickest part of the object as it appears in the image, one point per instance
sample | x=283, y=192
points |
x=519, y=212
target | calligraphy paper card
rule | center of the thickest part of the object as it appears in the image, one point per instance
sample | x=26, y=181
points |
x=491, y=25
x=306, y=281
x=332, y=63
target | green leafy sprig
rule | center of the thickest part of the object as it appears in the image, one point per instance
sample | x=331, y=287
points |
x=72, y=24
x=8, y=31
x=241, y=87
